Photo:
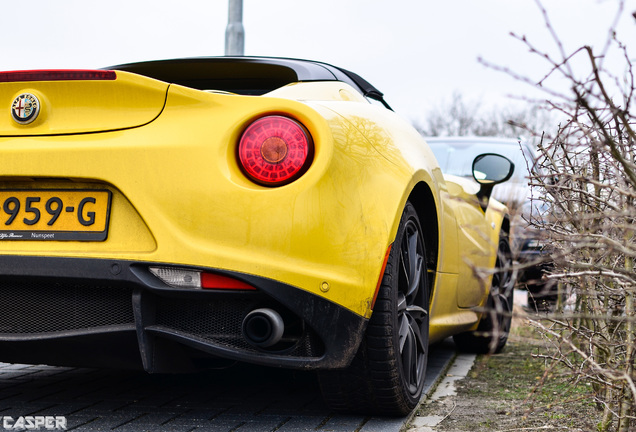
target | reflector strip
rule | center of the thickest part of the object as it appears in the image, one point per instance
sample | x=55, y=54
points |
x=377, y=287
x=58, y=75
x=214, y=281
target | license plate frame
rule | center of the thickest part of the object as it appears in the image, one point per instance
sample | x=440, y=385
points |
x=55, y=214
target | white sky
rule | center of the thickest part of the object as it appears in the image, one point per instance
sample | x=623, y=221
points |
x=418, y=52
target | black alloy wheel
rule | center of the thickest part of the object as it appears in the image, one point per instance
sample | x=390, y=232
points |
x=387, y=374
x=412, y=310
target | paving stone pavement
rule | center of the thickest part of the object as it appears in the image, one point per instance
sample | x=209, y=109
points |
x=241, y=399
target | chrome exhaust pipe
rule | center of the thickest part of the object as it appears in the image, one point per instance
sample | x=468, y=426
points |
x=263, y=327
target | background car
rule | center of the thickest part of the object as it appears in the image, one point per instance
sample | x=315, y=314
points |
x=455, y=155
x=178, y=214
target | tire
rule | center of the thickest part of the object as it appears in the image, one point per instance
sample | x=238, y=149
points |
x=386, y=377
x=492, y=333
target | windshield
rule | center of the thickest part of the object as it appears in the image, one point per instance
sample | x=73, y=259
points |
x=456, y=157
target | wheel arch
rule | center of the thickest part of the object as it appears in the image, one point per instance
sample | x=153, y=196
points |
x=421, y=197
x=505, y=224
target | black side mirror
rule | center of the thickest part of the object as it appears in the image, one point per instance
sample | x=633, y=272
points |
x=490, y=169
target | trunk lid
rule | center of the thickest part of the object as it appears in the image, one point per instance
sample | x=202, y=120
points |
x=56, y=102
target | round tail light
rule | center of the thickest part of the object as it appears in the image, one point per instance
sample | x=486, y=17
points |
x=275, y=150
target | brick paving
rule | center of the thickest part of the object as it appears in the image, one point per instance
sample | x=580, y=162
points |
x=241, y=399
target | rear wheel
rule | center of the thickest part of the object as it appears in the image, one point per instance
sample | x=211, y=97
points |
x=387, y=374
x=492, y=334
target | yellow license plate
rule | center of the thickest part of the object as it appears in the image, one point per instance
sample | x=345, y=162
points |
x=60, y=214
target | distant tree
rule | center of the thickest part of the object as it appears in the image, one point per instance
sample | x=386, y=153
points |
x=459, y=117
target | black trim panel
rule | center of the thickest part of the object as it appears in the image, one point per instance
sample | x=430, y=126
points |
x=246, y=75
x=337, y=330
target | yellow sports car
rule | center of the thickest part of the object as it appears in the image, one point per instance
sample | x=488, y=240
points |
x=172, y=215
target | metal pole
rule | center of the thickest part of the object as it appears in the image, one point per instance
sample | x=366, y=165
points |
x=234, y=33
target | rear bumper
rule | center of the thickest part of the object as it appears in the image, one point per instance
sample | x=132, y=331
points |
x=98, y=312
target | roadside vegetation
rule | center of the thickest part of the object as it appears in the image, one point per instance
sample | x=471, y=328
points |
x=518, y=389
x=584, y=188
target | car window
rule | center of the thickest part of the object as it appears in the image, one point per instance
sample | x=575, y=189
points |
x=456, y=158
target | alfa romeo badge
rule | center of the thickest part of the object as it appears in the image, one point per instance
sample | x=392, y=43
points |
x=25, y=108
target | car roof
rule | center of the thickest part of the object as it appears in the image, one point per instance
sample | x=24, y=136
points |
x=467, y=141
x=474, y=139
x=245, y=75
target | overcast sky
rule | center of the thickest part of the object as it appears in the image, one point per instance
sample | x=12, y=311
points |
x=418, y=52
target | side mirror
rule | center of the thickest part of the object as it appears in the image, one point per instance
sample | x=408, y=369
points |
x=490, y=169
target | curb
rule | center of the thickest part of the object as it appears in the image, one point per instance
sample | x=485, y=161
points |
x=457, y=371
x=445, y=354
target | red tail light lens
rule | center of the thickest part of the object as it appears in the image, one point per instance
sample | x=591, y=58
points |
x=215, y=281
x=275, y=150
x=57, y=75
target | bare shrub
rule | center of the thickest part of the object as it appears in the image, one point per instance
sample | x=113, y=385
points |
x=587, y=178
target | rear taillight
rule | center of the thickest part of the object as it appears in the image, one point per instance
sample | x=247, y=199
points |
x=58, y=75
x=275, y=150
x=187, y=278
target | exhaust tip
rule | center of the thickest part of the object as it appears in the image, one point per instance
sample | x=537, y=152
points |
x=263, y=327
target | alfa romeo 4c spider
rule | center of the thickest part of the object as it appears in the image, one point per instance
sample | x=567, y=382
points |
x=172, y=215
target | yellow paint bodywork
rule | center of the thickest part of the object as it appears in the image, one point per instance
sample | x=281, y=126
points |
x=83, y=106
x=168, y=155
